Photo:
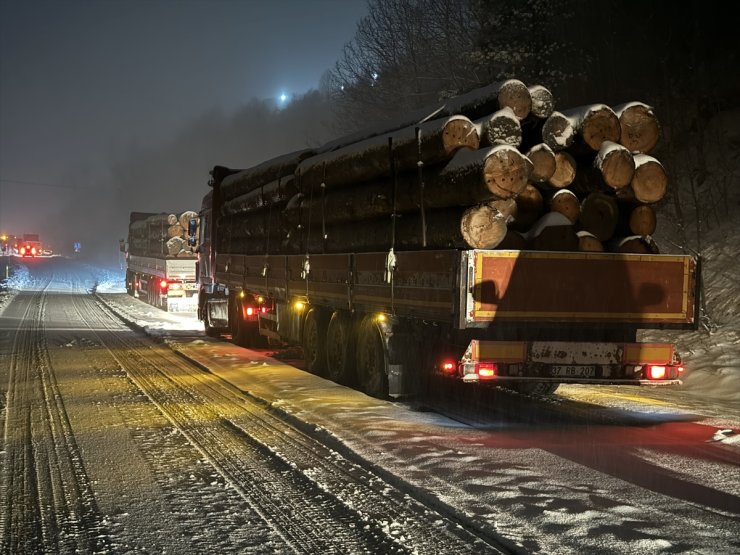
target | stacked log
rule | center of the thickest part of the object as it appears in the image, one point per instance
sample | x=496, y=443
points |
x=162, y=234
x=496, y=168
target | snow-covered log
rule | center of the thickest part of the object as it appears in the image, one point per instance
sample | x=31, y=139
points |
x=649, y=183
x=543, y=101
x=500, y=128
x=565, y=170
x=593, y=124
x=238, y=182
x=566, y=203
x=543, y=163
x=431, y=143
x=279, y=191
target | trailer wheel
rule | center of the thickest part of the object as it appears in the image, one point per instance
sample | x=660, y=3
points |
x=372, y=359
x=208, y=328
x=314, y=342
x=340, y=348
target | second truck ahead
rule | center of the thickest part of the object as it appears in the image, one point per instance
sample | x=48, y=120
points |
x=160, y=265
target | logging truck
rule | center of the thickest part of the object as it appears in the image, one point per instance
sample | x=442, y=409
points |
x=438, y=250
x=160, y=266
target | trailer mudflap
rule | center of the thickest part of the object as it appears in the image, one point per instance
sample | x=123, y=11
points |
x=610, y=288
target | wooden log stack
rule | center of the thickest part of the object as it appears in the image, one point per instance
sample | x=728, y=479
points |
x=496, y=168
x=162, y=234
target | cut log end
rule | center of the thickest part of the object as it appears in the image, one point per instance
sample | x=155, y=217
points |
x=543, y=163
x=503, y=128
x=588, y=242
x=617, y=167
x=515, y=95
x=506, y=172
x=565, y=170
x=600, y=125
x=599, y=215
x=640, y=128
x=642, y=220
x=483, y=227
x=543, y=101
x=459, y=133
x=558, y=131
x=567, y=203
x=650, y=182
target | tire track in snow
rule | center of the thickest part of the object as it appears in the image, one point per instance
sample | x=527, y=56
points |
x=47, y=500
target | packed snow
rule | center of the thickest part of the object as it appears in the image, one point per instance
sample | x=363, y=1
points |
x=547, y=489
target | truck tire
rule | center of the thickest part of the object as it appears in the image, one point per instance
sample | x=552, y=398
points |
x=372, y=359
x=314, y=342
x=340, y=348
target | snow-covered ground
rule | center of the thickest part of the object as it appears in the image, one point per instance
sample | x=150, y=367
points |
x=666, y=487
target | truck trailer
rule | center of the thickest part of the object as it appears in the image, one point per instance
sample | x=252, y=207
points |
x=385, y=321
x=160, y=265
x=408, y=252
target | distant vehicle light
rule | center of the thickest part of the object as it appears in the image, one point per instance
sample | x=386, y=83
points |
x=250, y=311
x=448, y=366
x=23, y=250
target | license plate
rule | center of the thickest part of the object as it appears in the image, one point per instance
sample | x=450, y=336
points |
x=573, y=371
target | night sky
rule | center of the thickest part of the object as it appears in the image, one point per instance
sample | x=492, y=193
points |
x=83, y=80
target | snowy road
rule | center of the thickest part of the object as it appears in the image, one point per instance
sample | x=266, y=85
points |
x=117, y=443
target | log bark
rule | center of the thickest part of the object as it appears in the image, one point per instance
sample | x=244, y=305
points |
x=500, y=128
x=543, y=161
x=435, y=142
x=513, y=241
x=275, y=192
x=473, y=177
x=649, y=183
x=639, y=125
x=599, y=215
x=474, y=105
x=565, y=170
x=458, y=228
x=238, y=182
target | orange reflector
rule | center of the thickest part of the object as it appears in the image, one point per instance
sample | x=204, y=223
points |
x=656, y=372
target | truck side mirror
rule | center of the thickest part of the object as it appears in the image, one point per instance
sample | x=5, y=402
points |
x=193, y=232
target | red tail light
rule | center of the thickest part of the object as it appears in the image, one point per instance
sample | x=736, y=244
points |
x=33, y=250
x=486, y=369
x=163, y=285
x=23, y=250
x=448, y=366
x=656, y=372
x=250, y=311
